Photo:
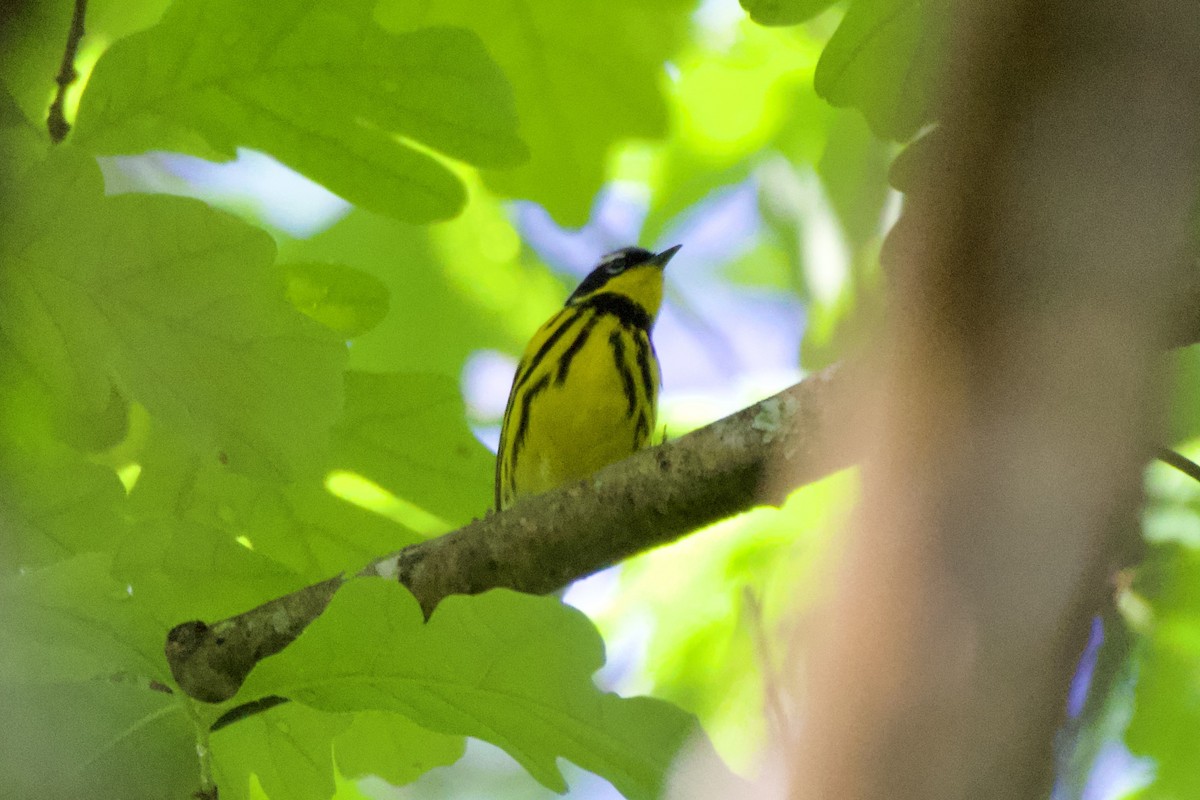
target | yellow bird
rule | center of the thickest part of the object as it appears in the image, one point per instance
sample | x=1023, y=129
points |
x=586, y=390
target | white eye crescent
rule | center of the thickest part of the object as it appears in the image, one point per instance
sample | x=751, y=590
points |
x=614, y=262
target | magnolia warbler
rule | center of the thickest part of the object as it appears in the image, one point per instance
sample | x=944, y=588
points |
x=586, y=389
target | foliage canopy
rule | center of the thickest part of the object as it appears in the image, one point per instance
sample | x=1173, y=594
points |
x=199, y=412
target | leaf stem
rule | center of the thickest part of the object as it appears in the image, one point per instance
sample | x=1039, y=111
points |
x=247, y=710
x=56, y=121
x=202, y=726
x=1179, y=462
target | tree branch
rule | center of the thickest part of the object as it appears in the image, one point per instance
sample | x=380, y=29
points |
x=56, y=120
x=755, y=456
x=1010, y=422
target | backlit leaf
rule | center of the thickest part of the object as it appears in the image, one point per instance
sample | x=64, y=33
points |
x=585, y=74
x=507, y=668
x=784, y=12
x=317, y=85
x=883, y=59
x=176, y=303
x=407, y=433
x=343, y=299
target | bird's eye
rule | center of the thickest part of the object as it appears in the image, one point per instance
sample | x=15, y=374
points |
x=616, y=267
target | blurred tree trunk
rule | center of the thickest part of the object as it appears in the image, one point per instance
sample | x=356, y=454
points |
x=1044, y=251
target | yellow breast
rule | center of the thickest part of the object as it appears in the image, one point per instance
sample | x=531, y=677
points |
x=584, y=397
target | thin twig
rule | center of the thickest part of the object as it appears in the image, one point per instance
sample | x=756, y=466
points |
x=1179, y=462
x=774, y=707
x=56, y=120
x=247, y=710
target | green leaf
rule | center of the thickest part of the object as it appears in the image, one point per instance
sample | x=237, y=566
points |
x=178, y=303
x=841, y=328
x=1166, y=717
x=784, y=12
x=393, y=747
x=586, y=75
x=113, y=19
x=705, y=651
x=435, y=323
x=736, y=103
x=318, y=86
x=35, y=35
x=65, y=187
x=54, y=504
x=408, y=433
x=919, y=160
x=21, y=142
x=343, y=299
x=853, y=170
x=828, y=329
x=184, y=570
x=73, y=621
x=95, y=431
x=508, y=668
x=29, y=61
x=768, y=266
x=289, y=748
x=883, y=59
x=217, y=542
x=10, y=113
x=96, y=739
x=1184, y=420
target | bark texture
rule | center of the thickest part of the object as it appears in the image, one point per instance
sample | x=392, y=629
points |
x=546, y=541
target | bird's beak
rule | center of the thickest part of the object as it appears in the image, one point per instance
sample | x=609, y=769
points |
x=662, y=258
